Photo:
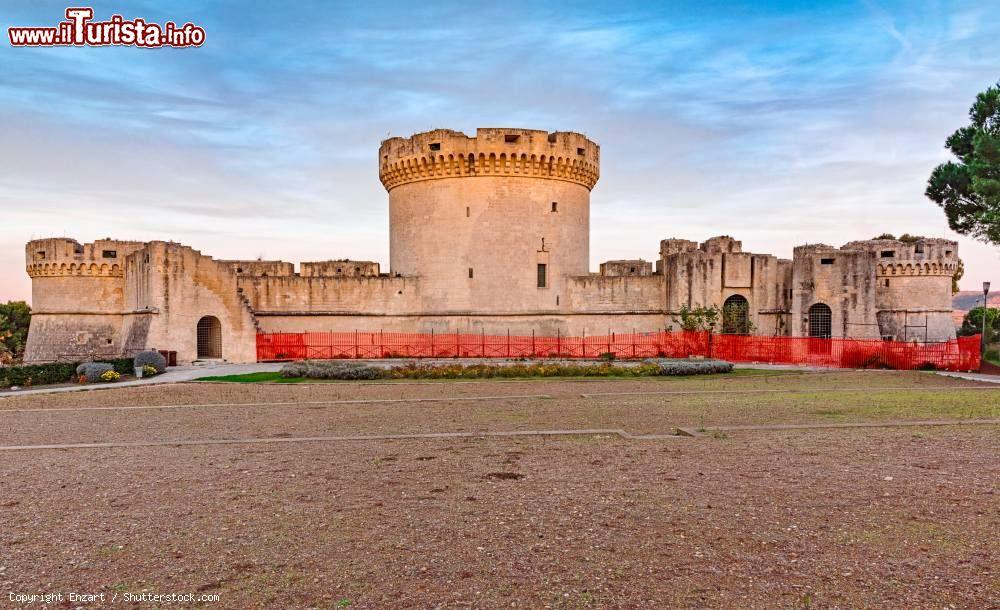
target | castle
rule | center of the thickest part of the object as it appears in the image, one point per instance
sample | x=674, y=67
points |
x=487, y=234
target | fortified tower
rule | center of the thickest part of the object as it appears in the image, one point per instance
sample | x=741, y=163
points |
x=78, y=298
x=490, y=224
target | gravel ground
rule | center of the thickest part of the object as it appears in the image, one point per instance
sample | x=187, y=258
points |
x=805, y=518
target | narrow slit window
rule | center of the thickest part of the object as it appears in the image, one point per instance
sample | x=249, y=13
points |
x=470, y=273
x=555, y=206
x=541, y=275
x=468, y=212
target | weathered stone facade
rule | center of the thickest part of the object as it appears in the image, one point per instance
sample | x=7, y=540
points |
x=487, y=234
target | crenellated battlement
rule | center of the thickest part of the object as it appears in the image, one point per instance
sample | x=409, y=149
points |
x=915, y=268
x=444, y=153
x=61, y=256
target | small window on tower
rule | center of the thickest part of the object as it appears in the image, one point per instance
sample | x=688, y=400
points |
x=435, y=146
x=110, y=254
x=580, y=151
x=888, y=254
x=468, y=212
x=555, y=206
x=947, y=252
x=40, y=255
x=886, y=282
x=470, y=273
x=552, y=138
x=918, y=249
x=511, y=138
x=826, y=261
x=541, y=275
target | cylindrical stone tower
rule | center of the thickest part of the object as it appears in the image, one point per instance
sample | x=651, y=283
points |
x=490, y=224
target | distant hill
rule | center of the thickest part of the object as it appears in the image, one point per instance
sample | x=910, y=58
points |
x=965, y=300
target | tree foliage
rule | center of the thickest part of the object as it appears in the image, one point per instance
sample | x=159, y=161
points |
x=973, y=323
x=15, y=317
x=969, y=189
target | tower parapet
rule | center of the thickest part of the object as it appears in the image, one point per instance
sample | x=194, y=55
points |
x=445, y=153
x=60, y=256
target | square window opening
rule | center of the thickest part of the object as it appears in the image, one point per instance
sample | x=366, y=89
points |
x=580, y=151
x=552, y=138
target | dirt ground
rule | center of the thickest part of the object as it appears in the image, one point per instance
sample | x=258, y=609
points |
x=843, y=518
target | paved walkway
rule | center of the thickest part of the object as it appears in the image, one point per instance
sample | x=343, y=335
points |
x=174, y=374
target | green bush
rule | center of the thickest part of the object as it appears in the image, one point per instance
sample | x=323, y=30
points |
x=37, y=374
x=55, y=372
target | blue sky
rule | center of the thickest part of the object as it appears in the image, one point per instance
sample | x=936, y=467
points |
x=779, y=123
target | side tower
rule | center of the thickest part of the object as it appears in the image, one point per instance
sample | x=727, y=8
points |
x=78, y=298
x=491, y=224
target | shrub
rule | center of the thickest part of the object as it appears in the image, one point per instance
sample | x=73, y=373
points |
x=691, y=367
x=607, y=356
x=151, y=358
x=149, y=370
x=94, y=371
x=36, y=374
x=330, y=369
x=110, y=376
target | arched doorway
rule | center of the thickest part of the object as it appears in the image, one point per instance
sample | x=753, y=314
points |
x=736, y=316
x=820, y=321
x=209, y=338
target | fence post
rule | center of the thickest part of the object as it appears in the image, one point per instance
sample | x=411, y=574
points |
x=508, y=342
x=532, y=342
x=710, y=342
x=381, y=344
x=583, y=344
x=633, y=342
x=432, y=343
x=611, y=339
x=558, y=343
x=482, y=342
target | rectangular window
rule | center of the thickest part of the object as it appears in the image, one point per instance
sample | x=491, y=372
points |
x=826, y=261
x=468, y=212
x=436, y=146
x=887, y=282
x=40, y=255
x=555, y=206
x=470, y=273
x=888, y=254
x=580, y=151
x=919, y=248
x=511, y=139
x=541, y=275
x=110, y=254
